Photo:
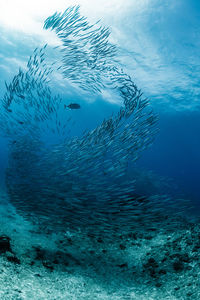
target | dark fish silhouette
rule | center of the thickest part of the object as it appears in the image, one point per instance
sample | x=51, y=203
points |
x=73, y=106
x=21, y=96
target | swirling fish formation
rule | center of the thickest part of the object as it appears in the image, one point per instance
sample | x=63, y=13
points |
x=79, y=183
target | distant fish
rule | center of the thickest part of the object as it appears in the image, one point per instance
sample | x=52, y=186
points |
x=21, y=96
x=73, y=106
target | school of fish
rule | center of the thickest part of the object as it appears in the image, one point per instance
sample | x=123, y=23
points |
x=80, y=182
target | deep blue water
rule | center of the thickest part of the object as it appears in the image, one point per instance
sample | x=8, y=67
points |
x=175, y=153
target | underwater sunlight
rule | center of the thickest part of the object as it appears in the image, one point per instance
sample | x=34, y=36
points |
x=100, y=166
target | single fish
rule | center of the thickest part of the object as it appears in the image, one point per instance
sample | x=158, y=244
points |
x=73, y=106
x=21, y=96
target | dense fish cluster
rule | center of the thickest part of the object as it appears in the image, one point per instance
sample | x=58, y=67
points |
x=81, y=182
x=85, y=47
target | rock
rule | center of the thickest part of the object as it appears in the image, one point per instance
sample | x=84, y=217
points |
x=125, y=265
x=151, y=263
x=178, y=266
x=151, y=266
x=122, y=247
x=5, y=244
x=13, y=259
x=40, y=253
x=55, y=261
x=162, y=272
x=158, y=284
x=152, y=273
x=48, y=266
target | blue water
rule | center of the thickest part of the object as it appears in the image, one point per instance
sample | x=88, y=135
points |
x=162, y=54
x=175, y=153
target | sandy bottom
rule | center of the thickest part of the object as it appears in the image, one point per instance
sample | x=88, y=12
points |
x=153, y=265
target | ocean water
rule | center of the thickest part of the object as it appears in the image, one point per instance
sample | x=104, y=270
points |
x=99, y=156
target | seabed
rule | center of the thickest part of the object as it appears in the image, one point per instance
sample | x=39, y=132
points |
x=142, y=266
